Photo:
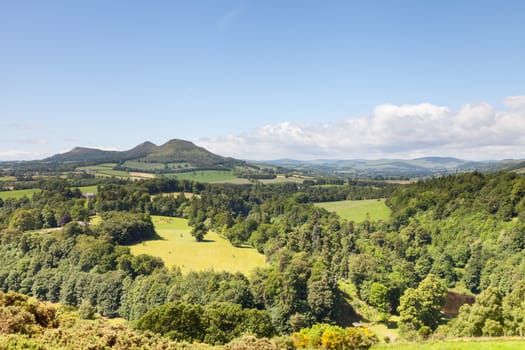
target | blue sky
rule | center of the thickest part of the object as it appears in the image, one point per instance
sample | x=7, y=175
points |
x=265, y=79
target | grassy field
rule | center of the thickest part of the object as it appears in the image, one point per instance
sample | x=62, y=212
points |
x=104, y=170
x=139, y=176
x=88, y=189
x=206, y=175
x=18, y=193
x=142, y=166
x=29, y=192
x=178, y=247
x=99, y=167
x=460, y=344
x=282, y=178
x=278, y=179
x=358, y=210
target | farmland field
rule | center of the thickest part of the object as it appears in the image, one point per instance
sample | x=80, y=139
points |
x=140, y=176
x=281, y=179
x=460, y=344
x=358, y=210
x=135, y=165
x=104, y=170
x=178, y=247
x=278, y=179
x=206, y=175
x=18, y=193
x=88, y=189
x=101, y=167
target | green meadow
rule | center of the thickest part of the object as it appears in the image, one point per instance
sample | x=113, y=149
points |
x=104, y=170
x=358, y=211
x=18, y=193
x=458, y=344
x=29, y=192
x=206, y=175
x=88, y=189
x=176, y=247
x=142, y=166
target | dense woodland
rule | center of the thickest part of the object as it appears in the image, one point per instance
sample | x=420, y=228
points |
x=465, y=232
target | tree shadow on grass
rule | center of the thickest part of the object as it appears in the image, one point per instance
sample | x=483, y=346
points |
x=155, y=237
x=345, y=313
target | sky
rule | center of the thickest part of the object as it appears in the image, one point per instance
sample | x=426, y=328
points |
x=265, y=79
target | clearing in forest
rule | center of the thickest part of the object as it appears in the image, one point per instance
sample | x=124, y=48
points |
x=177, y=247
x=358, y=211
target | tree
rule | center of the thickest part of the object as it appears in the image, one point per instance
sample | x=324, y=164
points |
x=25, y=220
x=421, y=306
x=198, y=231
x=484, y=317
x=514, y=310
x=379, y=296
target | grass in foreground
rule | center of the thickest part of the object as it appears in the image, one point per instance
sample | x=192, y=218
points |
x=357, y=211
x=458, y=344
x=178, y=247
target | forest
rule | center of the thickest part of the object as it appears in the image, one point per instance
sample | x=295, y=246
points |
x=461, y=233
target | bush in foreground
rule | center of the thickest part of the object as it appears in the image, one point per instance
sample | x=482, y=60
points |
x=334, y=337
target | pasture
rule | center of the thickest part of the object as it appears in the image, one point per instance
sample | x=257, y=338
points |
x=88, y=189
x=29, y=192
x=18, y=193
x=358, y=211
x=149, y=167
x=282, y=178
x=458, y=344
x=104, y=170
x=142, y=166
x=206, y=175
x=176, y=247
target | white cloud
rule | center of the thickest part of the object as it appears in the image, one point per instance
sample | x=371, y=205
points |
x=476, y=131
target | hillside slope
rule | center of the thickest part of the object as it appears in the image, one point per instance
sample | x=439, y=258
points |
x=173, y=151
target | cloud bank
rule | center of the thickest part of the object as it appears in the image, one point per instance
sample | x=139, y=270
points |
x=477, y=131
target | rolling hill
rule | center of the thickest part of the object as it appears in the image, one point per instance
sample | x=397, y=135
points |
x=181, y=156
x=173, y=151
x=393, y=168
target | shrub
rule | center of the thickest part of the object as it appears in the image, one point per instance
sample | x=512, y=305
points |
x=334, y=337
x=250, y=342
x=86, y=311
x=424, y=332
x=492, y=328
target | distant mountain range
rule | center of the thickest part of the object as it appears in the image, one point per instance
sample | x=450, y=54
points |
x=395, y=168
x=180, y=155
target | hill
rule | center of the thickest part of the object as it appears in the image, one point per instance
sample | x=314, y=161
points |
x=173, y=151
